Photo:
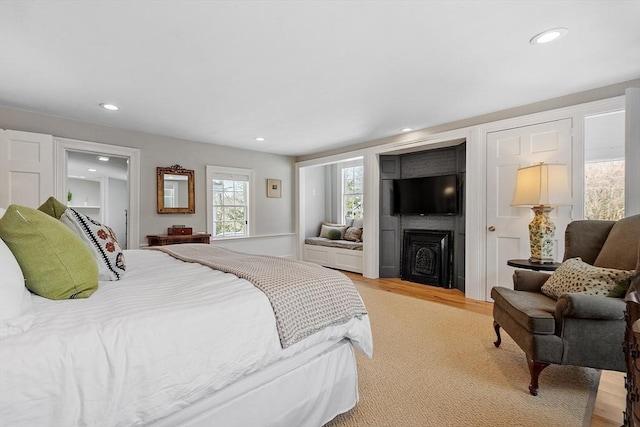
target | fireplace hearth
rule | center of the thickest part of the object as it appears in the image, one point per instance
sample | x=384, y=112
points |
x=426, y=257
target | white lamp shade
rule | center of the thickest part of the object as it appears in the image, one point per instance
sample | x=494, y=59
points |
x=542, y=185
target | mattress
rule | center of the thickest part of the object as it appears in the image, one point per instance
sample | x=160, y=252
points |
x=143, y=348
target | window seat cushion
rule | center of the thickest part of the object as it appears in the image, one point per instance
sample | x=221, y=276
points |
x=343, y=244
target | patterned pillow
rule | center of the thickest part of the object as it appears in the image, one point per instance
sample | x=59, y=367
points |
x=325, y=230
x=102, y=242
x=353, y=234
x=577, y=277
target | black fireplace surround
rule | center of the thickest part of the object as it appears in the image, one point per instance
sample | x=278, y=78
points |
x=427, y=257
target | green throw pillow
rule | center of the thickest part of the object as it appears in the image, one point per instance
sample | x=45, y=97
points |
x=56, y=264
x=53, y=207
x=620, y=289
x=334, y=234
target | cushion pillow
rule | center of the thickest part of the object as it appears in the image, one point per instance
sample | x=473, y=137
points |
x=353, y=234
x=101, y=241
x=326, y=229
x=621, y=247
x=358, y=223
x=577, y=277
x=621, y=288
x=53, y=207
x=55, y=263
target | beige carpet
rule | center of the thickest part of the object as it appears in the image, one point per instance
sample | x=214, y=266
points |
x=435, y=365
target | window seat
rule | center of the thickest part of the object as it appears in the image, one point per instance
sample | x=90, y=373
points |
x=339, y=254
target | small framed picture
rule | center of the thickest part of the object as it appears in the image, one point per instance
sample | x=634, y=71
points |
x=274, y=188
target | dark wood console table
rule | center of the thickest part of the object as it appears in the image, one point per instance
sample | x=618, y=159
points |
x=525, y=263
x=166, y=239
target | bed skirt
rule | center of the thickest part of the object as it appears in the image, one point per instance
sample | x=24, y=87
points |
x=307, y=390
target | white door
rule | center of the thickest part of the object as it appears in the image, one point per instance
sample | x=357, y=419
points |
x=507, y=227
x=26, y=168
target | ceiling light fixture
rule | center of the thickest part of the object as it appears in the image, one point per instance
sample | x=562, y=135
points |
x=110, y=107
x=259, y=139
x=406, y=129
x=91, y=170
x=549, y=36
x=103, y=158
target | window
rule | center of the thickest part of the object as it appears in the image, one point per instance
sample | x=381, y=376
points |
x=228, y=201
x=352, y=192
x=604, y=144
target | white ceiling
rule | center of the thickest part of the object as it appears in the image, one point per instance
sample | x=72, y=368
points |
x=307, y=75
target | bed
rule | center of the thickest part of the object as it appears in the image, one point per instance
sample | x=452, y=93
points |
x=175, y=343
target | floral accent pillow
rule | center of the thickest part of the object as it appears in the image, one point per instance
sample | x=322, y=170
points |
x=102, y=242
x=577, y=277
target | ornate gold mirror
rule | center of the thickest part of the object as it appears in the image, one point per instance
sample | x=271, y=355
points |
x=175, y=190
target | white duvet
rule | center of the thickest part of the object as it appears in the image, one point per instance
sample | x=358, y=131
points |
x=139, y=349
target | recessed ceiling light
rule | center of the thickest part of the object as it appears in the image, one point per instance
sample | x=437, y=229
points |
x=406, y=129
x=549, y=36
x=103, y=158
x=259, y=138
x=91, y=170
x=110, y=107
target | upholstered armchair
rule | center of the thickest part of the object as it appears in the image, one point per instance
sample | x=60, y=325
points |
x=574, y=329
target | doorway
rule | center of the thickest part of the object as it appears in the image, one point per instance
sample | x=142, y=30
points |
x=97, y=186
x=507, y=226
x=107, y=190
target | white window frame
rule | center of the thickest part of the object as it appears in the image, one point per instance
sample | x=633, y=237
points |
x=620, y=155
x=346, y=165
x=218, y=172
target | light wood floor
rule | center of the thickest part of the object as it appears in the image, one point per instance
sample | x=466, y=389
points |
x=610, y=400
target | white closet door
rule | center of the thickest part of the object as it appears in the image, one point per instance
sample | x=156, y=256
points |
x=26, y=168
x=507, y=227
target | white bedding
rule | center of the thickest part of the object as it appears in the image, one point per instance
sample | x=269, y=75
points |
x=142, y=348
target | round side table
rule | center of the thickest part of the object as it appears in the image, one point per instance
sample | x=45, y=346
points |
x=525, y=263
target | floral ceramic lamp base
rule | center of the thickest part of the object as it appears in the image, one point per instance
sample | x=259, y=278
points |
x=541, y=233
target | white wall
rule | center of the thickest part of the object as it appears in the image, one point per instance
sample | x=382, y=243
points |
x=315, y=199
x=275, y=215
x=84, y=192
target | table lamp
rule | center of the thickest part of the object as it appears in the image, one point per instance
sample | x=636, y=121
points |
x=542, y=186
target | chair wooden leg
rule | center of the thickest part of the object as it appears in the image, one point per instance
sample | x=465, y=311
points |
x=496, y=327
x=535, y=368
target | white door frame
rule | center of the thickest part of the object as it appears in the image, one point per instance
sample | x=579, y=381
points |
x=63, y=145
x=577, y=113
x=507, y=233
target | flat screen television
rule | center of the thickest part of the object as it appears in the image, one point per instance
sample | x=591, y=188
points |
x=431, y=195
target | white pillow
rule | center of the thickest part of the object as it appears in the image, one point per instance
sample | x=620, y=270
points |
x=16, y=312
x=102, y=242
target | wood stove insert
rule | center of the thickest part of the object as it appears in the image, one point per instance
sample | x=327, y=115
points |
x=427, y=257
